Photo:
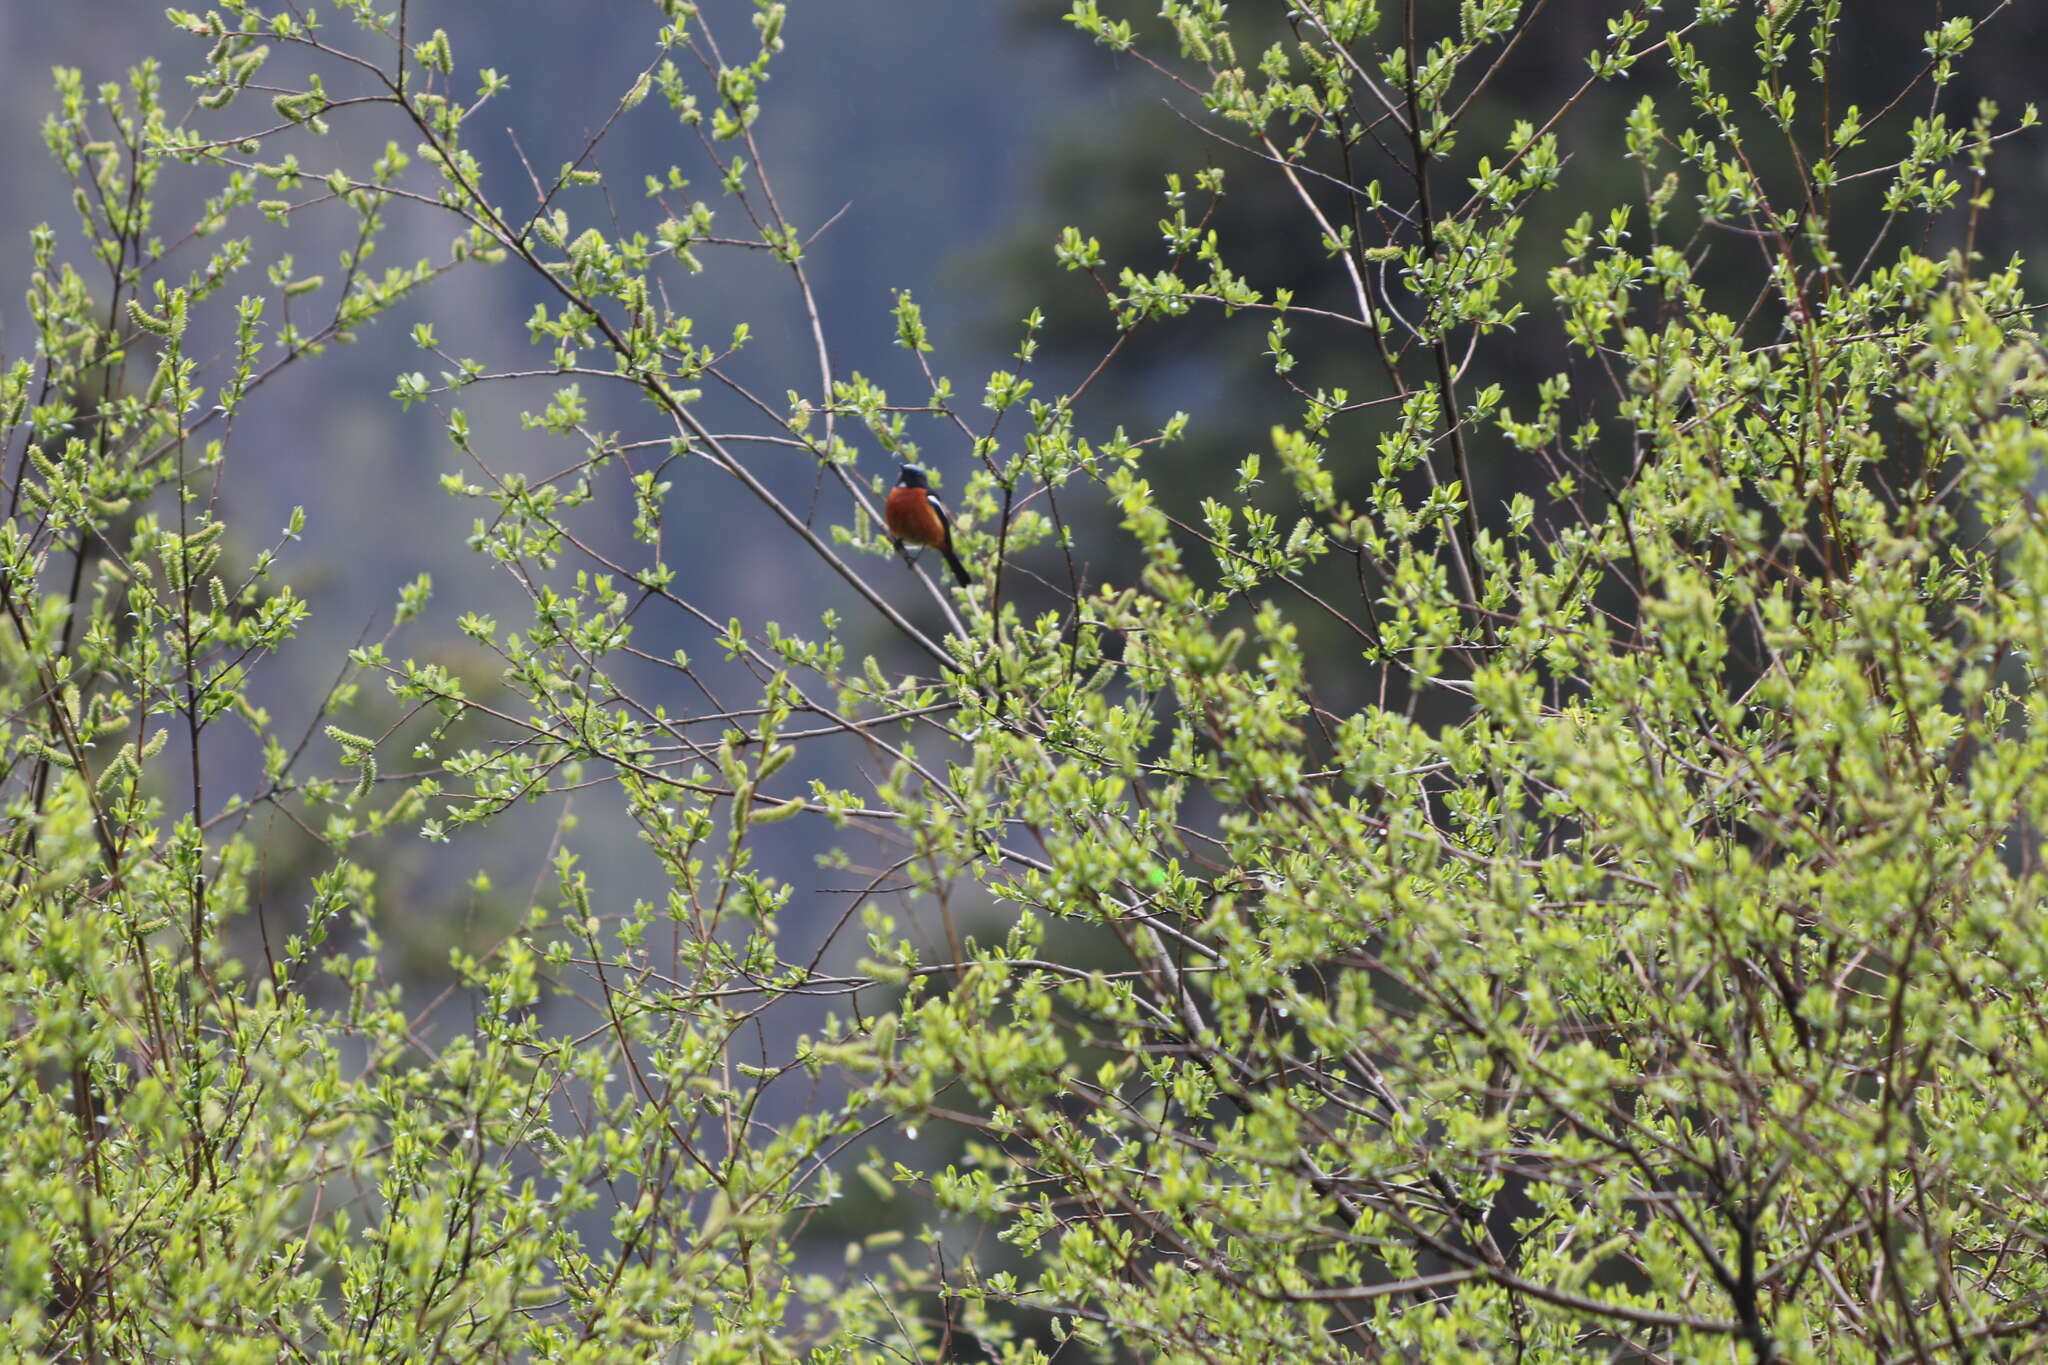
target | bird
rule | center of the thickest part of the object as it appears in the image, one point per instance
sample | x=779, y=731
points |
x=915, y=516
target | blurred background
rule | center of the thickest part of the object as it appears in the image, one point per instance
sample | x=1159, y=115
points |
x=940, y=147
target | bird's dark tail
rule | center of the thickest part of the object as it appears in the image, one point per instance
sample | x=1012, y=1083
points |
x=959, y=569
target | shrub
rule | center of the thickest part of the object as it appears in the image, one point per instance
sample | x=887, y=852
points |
x=1518, y=867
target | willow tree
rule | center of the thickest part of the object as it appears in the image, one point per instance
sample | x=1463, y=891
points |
x=1377, y=915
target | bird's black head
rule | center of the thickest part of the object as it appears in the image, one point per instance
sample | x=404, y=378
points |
x=912, y=477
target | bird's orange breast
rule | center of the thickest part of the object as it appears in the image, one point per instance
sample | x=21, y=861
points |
x=911, y=518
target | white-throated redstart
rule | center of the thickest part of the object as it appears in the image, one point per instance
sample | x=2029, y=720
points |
x=915, y=516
